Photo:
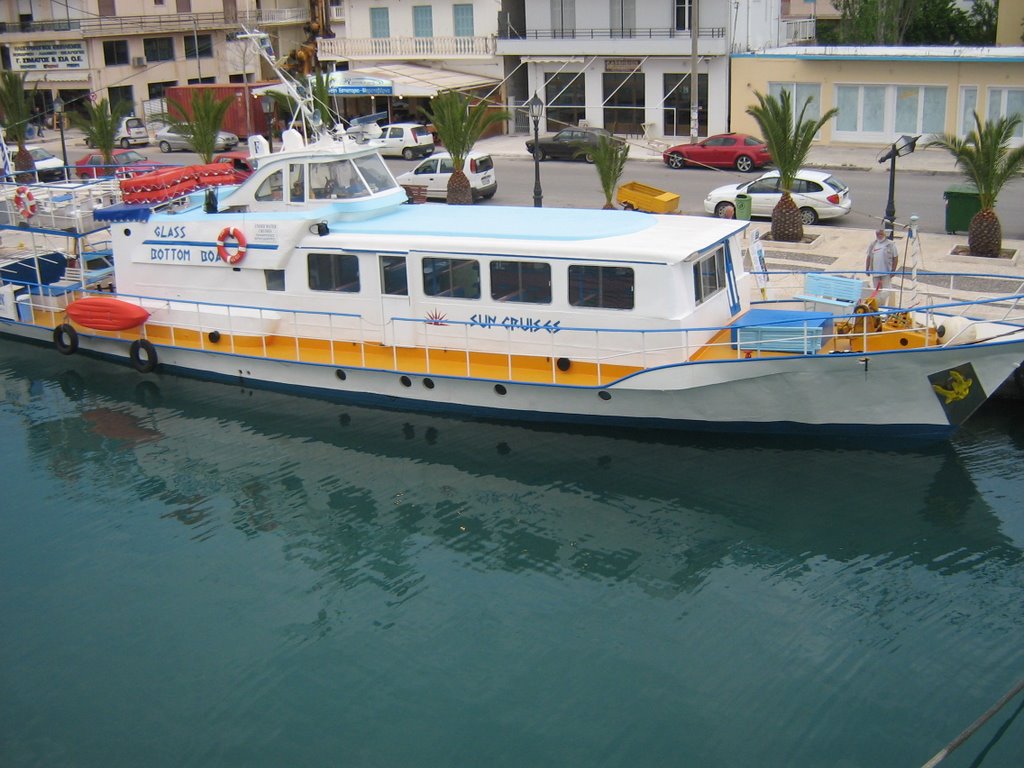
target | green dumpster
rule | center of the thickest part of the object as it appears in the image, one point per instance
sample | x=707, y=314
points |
x=743, y=207
x=961, y=204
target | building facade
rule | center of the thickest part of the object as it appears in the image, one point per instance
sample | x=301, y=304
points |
x=133, y=50
x=883, y=93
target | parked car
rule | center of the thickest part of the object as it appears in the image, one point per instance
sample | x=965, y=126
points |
x=569, y=144
x=131, y=132
x=127, y=162
x=408, y=140
x=243, y=164
x=170, y=139
x=726, y=150
x=818, y=195
x=434, y=173
x=49, y=167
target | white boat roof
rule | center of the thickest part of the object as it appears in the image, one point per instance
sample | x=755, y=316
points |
x=550, y=232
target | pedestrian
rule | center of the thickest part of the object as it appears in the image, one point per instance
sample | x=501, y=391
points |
x=40, y=120
x=881, y=261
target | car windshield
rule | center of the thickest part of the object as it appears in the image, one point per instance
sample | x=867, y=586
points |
x=134, y=122
x=40, y=154
x=126, y=158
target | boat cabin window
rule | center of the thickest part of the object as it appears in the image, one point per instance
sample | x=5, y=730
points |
x=272, y=188
x=297, y=183
x=333, y=272
x=378, y=177
x=393, y=278
x=274, y=278
x=526, y=281
x=337, y=179
x=606, y=287
x=709, y=275
x=451, y=277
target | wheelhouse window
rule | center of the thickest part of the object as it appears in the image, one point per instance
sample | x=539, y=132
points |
x=394, y=279
x=274, y=278
x=158, y=48
x=337, y=179
x=375, y=173
x=451, y=277
x=709, y=275
x=606, y=287
x=338, y=272
x=272, y=188
x=296, y=183
x=524, y=281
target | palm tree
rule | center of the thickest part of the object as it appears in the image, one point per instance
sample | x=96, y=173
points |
x=99, y=124
x=16, y=114
x=985, y=158
x=459, y=127
x=199, y=120
x=610, y=161
x=789, y=142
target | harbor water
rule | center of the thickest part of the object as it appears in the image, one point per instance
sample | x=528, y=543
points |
x=200, y=574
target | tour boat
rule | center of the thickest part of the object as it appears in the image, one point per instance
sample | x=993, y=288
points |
x=316, y=275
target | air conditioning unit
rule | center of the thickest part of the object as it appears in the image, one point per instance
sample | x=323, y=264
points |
x=139, y=61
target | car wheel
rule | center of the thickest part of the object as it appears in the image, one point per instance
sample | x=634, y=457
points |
x=125, y=143
x=808, y=216
x=744, y=164
x=407, y=153
x=676, y=161
x=165, y=147
x=539, y=154
x=725, y=211
x=589, y=157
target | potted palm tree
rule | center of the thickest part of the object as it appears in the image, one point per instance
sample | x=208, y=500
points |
x=789, y=141
x=459, y=126
x=99, y=124
x=985, y=158
x=16, y=114
x=609, y=157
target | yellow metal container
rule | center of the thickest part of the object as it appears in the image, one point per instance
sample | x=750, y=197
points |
x=636, y=196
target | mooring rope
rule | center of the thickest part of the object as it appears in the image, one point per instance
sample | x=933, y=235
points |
x=946, y=750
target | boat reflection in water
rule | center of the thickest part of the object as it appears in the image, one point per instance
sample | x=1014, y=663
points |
x=416, y=590
x=661, y=510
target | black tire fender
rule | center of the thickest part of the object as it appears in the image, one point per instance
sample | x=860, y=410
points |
x=142, y=355
x=65, y=338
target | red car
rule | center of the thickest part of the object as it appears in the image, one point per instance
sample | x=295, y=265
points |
x=726, y=150
x=240, y=161
x=127, y=163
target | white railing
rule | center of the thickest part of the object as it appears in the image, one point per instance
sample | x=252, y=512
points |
x=406, y=47
x=799, y=31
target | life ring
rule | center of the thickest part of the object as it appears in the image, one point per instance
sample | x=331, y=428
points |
x=25, y=202
x=65, y=338
x=222, y=251
x=142, y=355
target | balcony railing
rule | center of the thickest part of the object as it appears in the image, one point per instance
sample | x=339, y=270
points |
x=177, y=22
x=406, y=47
x=799, y=30
x=651, y=33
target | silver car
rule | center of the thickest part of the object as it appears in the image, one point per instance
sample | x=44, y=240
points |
x=170, y=140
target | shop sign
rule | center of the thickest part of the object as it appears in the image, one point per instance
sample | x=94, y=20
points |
x=57, y=54
x=621, y=65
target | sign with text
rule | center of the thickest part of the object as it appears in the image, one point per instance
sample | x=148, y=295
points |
x=58, y=54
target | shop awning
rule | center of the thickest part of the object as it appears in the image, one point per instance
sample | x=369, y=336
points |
x=401, y=80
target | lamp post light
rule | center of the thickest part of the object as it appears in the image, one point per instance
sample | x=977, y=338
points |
x=267, y=103
x=58, y=110
x=536, y=110
x=903, y=146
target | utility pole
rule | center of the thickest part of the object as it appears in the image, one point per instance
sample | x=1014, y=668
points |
x=694, y=59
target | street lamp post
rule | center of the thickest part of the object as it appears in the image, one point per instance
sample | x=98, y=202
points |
x=58, y=110
x=267, y=103
x=536, y=110
x=904, y=146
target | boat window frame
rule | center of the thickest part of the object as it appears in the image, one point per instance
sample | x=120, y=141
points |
x=517, y=289
x=609, y=286
x=705, y=289
x=447, y=276
x=334, y=270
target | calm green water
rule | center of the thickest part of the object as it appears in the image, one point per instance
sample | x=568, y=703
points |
x=194, y=574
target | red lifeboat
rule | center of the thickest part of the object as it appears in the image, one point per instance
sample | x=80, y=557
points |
x=104, y=313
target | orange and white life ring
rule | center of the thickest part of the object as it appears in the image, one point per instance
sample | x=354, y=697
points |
x=25, y=202
x=237, y=236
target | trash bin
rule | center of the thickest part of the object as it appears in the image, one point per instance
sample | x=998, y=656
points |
x=743, y=207
x=961, y=204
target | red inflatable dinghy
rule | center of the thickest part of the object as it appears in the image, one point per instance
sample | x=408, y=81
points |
x=104, y=313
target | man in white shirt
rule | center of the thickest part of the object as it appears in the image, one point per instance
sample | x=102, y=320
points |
x=881, y=260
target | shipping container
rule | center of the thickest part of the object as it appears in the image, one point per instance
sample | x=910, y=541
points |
x=238, y=120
